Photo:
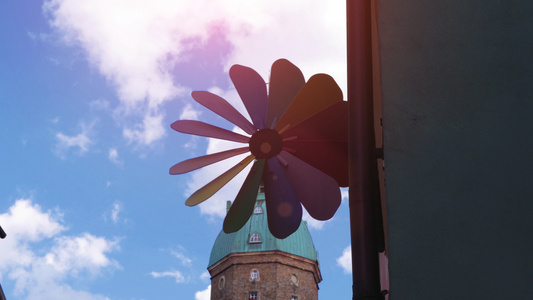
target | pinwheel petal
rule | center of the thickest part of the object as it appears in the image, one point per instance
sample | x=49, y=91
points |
x=318, y=192
x=252, y=90
x=202, y=161
x=330, y=157
x=244, y=203
x=322, y=141
x=207, y=130
x=284, y=211
x=216, y=184
x=319, y=92
x=286, y=81
x=222, y=108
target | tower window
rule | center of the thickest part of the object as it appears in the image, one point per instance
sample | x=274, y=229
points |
x=294, y=279
x=255, y=238
x=258, y=210
x=254, y=275
x=253, y=296
x=221, y=282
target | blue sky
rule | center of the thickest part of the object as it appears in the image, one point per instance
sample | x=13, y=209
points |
x=88, y=92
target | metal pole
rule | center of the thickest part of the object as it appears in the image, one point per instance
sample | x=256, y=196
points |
x=363, y=163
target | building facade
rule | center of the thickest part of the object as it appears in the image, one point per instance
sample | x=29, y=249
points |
x=457, y=121
x=253, y=264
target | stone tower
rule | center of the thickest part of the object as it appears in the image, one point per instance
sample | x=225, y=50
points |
x=253, y=264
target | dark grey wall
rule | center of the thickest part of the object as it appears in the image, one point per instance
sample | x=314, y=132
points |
x=457, y=82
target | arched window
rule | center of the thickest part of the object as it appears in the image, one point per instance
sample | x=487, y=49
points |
x=255, y=238
x=221, y=282
x=254, y=275
x=258, y=210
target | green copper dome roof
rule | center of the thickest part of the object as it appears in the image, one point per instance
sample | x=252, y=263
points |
x=246, y=239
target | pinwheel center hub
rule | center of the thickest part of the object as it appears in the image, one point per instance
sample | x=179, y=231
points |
x=265, y=143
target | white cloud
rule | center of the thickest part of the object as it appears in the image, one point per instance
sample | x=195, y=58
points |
x=43, y=273
x=48, y=289
x=113, y=156
x=189, y=113
x=129, y=42
x=37, y=37
x=175, y=274
x=311, y=222
x=99, y=104
x=311, y=34
x=182, y=258
x=345, y=260
x=138, y=45
x=149, y=131
x=115, y=211
x=203, y=295
x=26, y=221
x=72, y=254
x=82, y=140
x=205, y=276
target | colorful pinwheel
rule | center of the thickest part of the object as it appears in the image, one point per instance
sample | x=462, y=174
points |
x=298, y=142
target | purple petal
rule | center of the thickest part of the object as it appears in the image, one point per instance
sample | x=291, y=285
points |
x=322, y=141
x=286, y=81
x=318, y=192
x=318, y=93
x=207, y=130
x=221, y=107
x=283, y=209
x=252, y=90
